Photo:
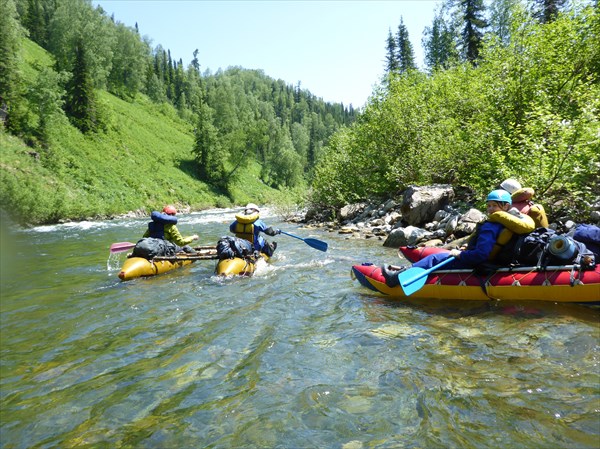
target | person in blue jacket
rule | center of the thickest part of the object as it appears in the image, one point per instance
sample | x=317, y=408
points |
x=479, y=249
x=249, y=226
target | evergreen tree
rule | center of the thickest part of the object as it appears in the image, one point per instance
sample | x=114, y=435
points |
x=391, y=58
x=81, y=99
x=546, y=11
x=440, y=44
x=10, y=78
x=36, y=21
x=404, y=49
x=474, y=24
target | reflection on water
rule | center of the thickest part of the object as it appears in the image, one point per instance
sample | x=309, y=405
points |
x=296, y=356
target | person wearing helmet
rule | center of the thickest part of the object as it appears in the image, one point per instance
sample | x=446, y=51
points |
x=163, y=226
x=480, y=248
x=248, y=226
x=522, y=201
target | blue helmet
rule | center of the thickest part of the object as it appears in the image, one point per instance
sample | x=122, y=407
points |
x=499, y=195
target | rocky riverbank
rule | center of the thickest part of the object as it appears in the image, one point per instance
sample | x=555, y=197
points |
x=436, y=215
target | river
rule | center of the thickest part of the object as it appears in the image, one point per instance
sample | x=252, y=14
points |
x=297, y=356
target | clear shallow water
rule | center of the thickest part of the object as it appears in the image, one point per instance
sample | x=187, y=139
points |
x=298, y=356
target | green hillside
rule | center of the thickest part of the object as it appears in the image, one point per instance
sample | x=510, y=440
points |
x=142, y=160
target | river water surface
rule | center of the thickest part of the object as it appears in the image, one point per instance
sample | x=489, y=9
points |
x=298, y=356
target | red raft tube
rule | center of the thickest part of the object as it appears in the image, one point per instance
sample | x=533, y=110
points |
x=563, y=283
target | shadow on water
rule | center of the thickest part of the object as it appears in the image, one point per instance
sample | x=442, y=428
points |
x=518, y=309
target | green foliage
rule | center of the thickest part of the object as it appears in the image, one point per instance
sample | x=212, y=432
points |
x=130, y=58
x=530, y=110
x=75, y=24
x=11, y=85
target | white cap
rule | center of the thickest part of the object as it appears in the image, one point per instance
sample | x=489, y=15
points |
x=510, y=185
x=252, y=206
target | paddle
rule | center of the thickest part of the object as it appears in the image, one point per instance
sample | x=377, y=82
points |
x=314, y=243
x=120, y=247
x=414, y=278
x=126, y=246
x=188, y=257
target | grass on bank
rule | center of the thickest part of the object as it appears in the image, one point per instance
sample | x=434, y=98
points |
x=141, y=161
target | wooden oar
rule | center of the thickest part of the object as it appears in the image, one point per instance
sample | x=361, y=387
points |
x=126, y=246
x=314, y=243
x=414, y=278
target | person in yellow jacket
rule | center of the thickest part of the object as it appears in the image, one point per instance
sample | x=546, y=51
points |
x=522, y=200
x=248, y=226
x=163, y=226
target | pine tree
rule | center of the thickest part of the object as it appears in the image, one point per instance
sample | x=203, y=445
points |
x=439, y=44
x=474, y=24
x=81, y=100
x=547, y=10
x=35, y=21
x=391, y=59
x=10, y=79
x=404, y=49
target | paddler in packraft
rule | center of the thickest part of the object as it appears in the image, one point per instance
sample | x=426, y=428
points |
x=248, y=226
x=164, y=226
x=489, y=243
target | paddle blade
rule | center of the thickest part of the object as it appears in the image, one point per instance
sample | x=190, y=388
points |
x=412, y=280
x=121, y=247
x=316, y=244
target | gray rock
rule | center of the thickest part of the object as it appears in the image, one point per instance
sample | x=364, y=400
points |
x=350, y=211
x=409, y=235
x=472, y=216
x=420, y=204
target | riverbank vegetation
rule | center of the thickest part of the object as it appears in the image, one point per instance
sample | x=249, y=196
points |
x=526, y=104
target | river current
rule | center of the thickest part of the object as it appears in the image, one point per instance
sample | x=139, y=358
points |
x=297, y=356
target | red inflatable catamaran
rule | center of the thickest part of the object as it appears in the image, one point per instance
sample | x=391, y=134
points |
x=565, y=283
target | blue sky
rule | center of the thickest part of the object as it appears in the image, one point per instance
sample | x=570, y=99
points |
x=335, y=49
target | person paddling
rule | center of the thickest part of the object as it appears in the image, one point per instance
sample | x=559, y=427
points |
x=482, y=246
x=163, y=226
x=248, y=226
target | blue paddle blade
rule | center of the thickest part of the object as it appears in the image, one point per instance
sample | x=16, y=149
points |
x=316, y=244
x=412, y=280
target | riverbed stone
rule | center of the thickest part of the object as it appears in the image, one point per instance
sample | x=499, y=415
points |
x=421, y=203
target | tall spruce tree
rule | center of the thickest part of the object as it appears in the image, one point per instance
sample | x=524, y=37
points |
x=546, y=11
x=391, y=57
x=473, y=29
x=404, y=49
x=10, y=80
x=81, y=99
x=439, y=44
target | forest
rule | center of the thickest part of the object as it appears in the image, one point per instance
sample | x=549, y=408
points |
x=510, y=88
x=68, y=70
